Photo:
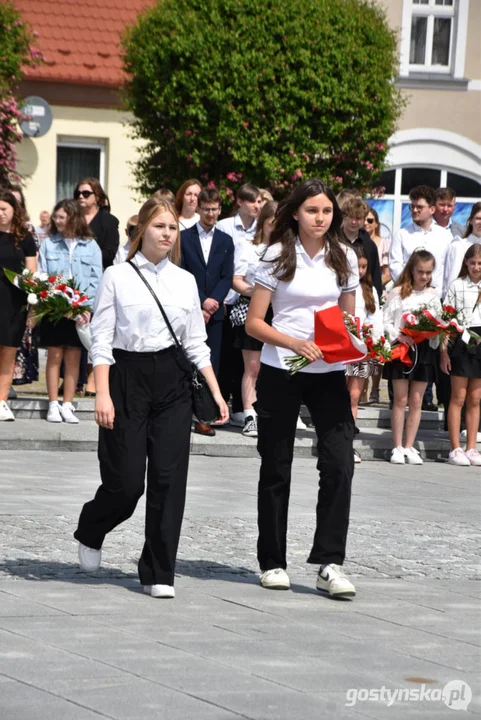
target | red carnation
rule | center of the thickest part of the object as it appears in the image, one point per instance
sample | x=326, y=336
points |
x=52, y=279
x=383, y=339
x=60, y=287
x=449, y=309
x=373, y=354
x=43, y=294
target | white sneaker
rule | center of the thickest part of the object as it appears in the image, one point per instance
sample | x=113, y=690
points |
x=237, y=419
x=250, y=427
x=301, y=425
x=160, y=591
x=276, y=579
x=412, y=456
x=397, y=456
x=474, y=457
x=464, y=436
x=89, y=558
x=66, y=411
x=53, y=414
x=357, y=457
x=333, y=581
x=5, y=413
x=458, y=457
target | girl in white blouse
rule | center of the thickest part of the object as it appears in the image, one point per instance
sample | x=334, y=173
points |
x=143, y=403
x=367, y=310
x=412, y=291
x=463, y=361
x=305, y=266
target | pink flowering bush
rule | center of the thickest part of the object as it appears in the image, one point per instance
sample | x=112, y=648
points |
x=16, y=53
x=269, y=92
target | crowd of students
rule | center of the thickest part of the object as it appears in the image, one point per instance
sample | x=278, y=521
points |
x=240, y=294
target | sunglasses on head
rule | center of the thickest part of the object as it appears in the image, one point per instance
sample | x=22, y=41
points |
x=369, y=220
x=84, y=193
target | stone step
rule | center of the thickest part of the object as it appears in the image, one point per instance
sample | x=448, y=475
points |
x=35, y=408
x=372, y=443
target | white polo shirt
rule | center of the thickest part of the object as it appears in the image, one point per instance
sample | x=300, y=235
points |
x=435, y=240
x=295, y=302
x=234, y=227
x=454, y=258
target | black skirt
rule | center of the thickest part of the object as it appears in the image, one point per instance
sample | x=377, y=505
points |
x=466, y=357
x=63, y=334
x=13, y=313
x=242, y=341
x=423, y=369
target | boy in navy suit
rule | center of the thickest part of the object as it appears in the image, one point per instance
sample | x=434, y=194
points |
x=208, y=254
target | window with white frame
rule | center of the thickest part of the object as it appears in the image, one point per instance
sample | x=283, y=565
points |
x=434, y=37
x=78, y=158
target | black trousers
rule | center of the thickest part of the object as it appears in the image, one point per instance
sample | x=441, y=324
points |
x=214, y=341
x=231, y=366
x=153, y=414
x=279, y=397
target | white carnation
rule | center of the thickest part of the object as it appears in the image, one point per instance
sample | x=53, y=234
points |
x=26, y=272
x=43, y=276
x=32, y=299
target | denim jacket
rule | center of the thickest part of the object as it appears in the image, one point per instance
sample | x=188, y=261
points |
x=54, y=258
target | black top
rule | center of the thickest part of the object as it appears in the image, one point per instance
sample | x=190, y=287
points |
x=105, y=228
x=370, y=247
x=13, y=256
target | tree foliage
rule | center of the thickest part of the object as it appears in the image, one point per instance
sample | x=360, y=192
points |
x=16, y=53
x=270, y=92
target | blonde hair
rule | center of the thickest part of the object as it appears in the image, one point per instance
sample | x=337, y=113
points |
x=149, y=210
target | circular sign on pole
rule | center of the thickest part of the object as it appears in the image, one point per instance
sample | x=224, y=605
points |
x=38, y=115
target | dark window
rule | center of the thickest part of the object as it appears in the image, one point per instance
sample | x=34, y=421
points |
x=73, y=164
x=387, y=181
x=411, y=177
x=463, y=186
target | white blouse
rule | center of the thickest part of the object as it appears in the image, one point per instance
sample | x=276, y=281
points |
x=463, y=295
x=126, y=316
x=375, y=319
x=295, y=302
x=186, y=223
x=395, y=306
x=247, y=261
x=455, y=256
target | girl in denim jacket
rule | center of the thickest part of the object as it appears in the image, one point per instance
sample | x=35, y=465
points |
x=71, y=252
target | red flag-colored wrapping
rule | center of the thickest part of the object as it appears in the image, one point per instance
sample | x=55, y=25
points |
x=401, y=352
x=333, y=338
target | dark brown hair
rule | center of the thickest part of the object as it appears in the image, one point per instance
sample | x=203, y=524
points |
x=179, y=195
x=445, y=194
x=102, y=199
x=286, y=229
x=406, y=280
x=267, y=212
x=474, y=211
x=424, y=192
x=18, y=228
x=149, y=210
x=209, y=195
x=76, y=226
x=376, y=216
x=366, y=281
x=247, y=192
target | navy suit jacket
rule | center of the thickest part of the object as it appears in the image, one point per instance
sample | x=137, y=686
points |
x=214, y=279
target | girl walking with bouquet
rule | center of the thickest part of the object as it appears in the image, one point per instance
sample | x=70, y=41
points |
x=144, y=398
x=463, y=361
x=305, y=266
x=71, y=253
x=412, y=292
x=368, y=312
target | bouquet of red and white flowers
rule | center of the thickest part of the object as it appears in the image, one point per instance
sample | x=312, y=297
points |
x=378, y=349
x=51, y=296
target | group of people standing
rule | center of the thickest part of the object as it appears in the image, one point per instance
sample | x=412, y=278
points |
x=240, y=295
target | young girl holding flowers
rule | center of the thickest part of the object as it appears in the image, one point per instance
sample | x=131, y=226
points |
x=368, y=312
x=70, y=252
x=412, y=292
x=306, y=265
x=463, y=361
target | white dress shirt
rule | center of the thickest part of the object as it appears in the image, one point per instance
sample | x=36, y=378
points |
x=247, y=261
x=463, y=295
x=126, y=316
x=435, y=240
x=122, y=253
x=454, y=258
x=205, y=237
x=395, y=306
x=375, y=318
x=234, y=227
x=295, y=302
x=186, y=223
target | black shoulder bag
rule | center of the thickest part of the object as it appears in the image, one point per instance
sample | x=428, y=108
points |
x=204, y=406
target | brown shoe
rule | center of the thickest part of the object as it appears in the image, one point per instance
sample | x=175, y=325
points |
x=204, y=429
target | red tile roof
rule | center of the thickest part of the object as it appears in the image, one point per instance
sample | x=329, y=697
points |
x=80, y=39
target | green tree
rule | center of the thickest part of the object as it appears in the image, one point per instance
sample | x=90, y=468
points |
x=16, y=53
x=269, y=92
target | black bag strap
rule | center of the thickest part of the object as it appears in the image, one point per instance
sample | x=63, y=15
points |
x=157, y=301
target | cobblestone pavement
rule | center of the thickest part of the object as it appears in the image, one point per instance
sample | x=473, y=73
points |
x=75, y=646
